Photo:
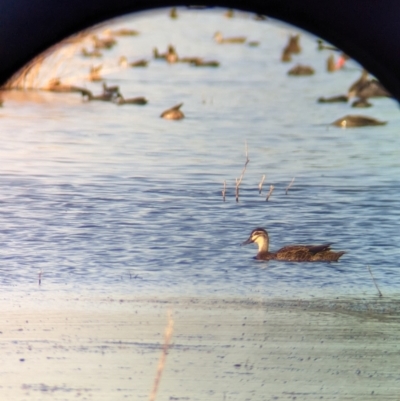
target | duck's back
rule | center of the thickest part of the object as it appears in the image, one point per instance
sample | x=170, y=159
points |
x=311, y=253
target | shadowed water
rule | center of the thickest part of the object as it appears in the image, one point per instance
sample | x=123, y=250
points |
x=102, y=197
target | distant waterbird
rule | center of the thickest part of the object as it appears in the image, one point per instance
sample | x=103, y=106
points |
x=221, y=40
x=291, y=253
x=174, y=113
x=351, y=121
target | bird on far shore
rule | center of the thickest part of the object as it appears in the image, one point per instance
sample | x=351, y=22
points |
x=291, y=253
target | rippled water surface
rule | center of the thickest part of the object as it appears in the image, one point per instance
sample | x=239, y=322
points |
x=109, y=198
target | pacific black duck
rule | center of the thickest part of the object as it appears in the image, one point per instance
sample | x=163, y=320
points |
x=366, y=87
x=291, y=253
x=351, y=121
x=120, y=100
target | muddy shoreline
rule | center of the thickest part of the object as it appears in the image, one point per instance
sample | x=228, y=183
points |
x=103, y=348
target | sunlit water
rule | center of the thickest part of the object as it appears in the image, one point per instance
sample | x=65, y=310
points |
x=116, y=199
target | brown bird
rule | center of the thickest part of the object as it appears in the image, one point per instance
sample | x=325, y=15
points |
x=94, y=73
x=220, y=39
x=120, y=100
x=201, y=63
x=103, y=43
x=173, y=13
x=113, y=90
x=93, y=53
x=293, y=45
x=104, y=97
x=158, y=55
x=173, y=113
x=286, y=56
x=323, y=46
x=172, y=55
x=366, y=87
x=125, y=32
x=333, y=99
x=351, y=121
x=291, y=253
x=301, y=70
x=123, y=62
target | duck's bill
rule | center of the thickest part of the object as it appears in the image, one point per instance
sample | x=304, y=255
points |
x=248, y=241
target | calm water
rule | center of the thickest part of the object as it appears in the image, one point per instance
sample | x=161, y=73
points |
x=109, y=198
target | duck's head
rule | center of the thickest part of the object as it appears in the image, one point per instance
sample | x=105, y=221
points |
x=123, y=61
x=260, y=237
x=218, y=36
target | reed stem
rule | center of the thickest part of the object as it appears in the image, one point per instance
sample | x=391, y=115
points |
x=291, y=183
x=376, y=285
x=271, y=189
x=239, y=181
x=261, y=184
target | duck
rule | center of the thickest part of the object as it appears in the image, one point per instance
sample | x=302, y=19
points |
x=229, y=13
x=94, y=53
x=253, y=43
x=351, y=121
x=323, y=46
x=333, y=99
x=120, y=100
x=55, y=85
x=103, y=43
x=123, y=62
x=104, y=97
x=332, y=65
x=286, y=56
x=361, y=103
x=157, y=55
x=172, y=55
x=291, y=253
x=94, y=73
x=110, y=90
x=190, y=59
x=173, y=14
x=201, y=63
x=125, y=32
x=293, y=45
x=301, y=70
x=365, y=87
x=220, y=39
x=173, y=113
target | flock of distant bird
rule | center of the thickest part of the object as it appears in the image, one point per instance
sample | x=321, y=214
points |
x=362, y=90
x=113, y=93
